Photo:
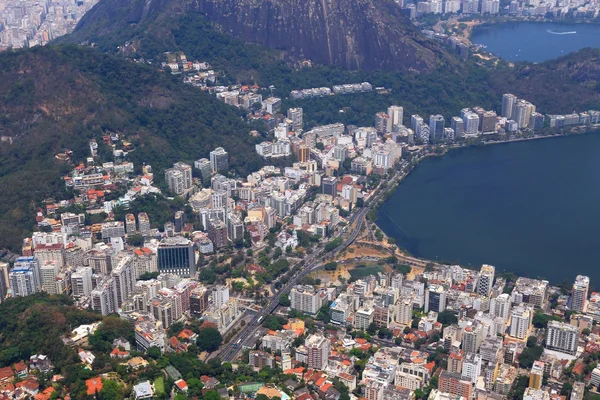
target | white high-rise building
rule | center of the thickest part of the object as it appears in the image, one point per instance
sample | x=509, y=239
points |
x=520, y=321
x=509, y=101
x=396, y=114
x=48, y=272
x=562, y=337
x=579, y=294
x=471, y=367
x=486, y=280
x=404, y=309
x=500, y=306
x=124, y=278
x=81, y=281
x=220, y=296
x=25, y=276
x=306, y=299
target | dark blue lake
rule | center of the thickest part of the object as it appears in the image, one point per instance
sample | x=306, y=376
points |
x=536, y=42
x=532, y=208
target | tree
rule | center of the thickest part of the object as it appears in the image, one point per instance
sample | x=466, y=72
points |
x=212, y=395
x=284, y=300
x=529, y=355
x=111, y=390
x=209, y=339
x=331, y=266
x=531, y=341
x=447, y=317
x=153, y=352
x=136, y=240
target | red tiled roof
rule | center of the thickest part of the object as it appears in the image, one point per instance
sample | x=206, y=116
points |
x=93, y=385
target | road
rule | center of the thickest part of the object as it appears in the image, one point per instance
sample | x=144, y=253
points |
x=246, y=336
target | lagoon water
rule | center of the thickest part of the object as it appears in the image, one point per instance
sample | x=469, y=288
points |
x=532, y=208
x=536, y=42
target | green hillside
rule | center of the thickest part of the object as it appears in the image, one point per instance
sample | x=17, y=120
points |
x=55, y=98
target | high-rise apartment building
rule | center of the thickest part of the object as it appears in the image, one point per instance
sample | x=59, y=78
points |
x=296, y=116
x=81, y=281
x=485, y=280
x=509, y=101
x=317, y=349
x=220, y=295
x=144, y=224
x=4, y=281
x=436, y=127
x=579, y=293
x=25, y=277
x=458, y=125
x=329, y=186
x=48, y=272
x=396, y=114
x=520, y=321
x=562, y=337
x=217, y=233
x=123, y=274
x=536, y=375
x=205, y=168
x=219, y=160
x=435, y=298
x=306, y=299
x=198, y=301
x=130, y=226
x=103, y=297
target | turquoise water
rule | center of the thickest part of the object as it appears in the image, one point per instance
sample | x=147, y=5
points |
x=532, y=208
x=536, y=42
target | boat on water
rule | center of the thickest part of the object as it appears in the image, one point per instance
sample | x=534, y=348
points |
x=561, y=33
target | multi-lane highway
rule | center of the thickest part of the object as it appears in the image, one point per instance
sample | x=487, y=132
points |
x=246, y=336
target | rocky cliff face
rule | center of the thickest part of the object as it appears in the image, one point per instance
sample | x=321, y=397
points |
x=356, y=34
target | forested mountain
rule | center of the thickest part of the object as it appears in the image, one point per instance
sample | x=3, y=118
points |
x=57, y=98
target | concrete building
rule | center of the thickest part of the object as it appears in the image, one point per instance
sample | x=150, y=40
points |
x=471, y=367
x=579, y=293
x=4, y=281
x=485, y=280
x=306, y=299
x=81, y=282
x=219, y=160
x=520, y=321
x=536, y=375
x=48, y=273
x=562, y=337
x=25, y=277
x=144, y=224
x=509, y=101
x=205, y=168
x=318, y=349
x=296, y=116
x=176, y=256
x=217, y=233
x=199, y=298
x=435, y=298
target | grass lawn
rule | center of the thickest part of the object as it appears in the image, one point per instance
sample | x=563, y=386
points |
x=358, y=273
x=159, y=385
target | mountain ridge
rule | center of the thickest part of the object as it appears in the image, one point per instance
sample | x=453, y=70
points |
x=361, y=34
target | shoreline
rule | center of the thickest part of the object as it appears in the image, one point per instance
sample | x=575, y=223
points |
x=466, y=34
x=399, y=179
